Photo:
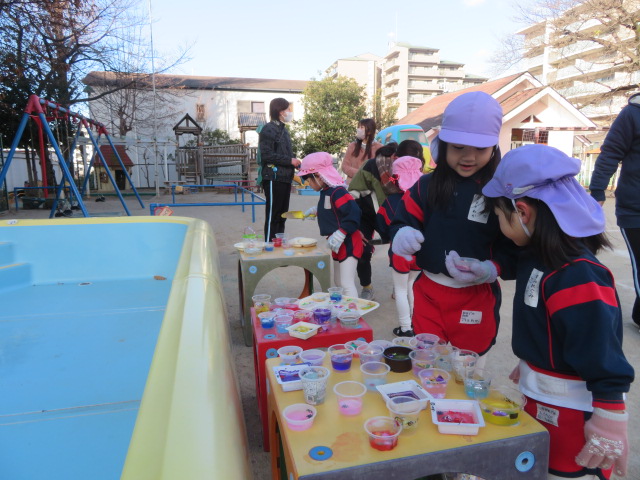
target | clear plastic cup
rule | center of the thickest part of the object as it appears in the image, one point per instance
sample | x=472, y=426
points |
x=350, y=396
x=289, y=354
x=383, y=432
x=444, y=358
x=267, y=319
x=314, y=384
x=322, y=317
x=335, y=294
x=354, y=344
x=477, y=382
x=374, y=374
x=461, y=360
x=405, y=410
x=421, y=359
x=282, y=323
x=261, y=303
x=410, y=342
x=313, y=357
x=426, y=340
x=299, y=416
x=434, y=381
x=383, y=343
x=370, y=353
x=303, y=316
x=341, y=357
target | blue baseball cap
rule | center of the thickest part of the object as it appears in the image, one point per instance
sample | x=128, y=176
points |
x=547, y=174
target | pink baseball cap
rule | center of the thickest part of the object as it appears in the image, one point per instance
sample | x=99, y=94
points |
x=321, y=163
x=474, y=119
x=408, y=170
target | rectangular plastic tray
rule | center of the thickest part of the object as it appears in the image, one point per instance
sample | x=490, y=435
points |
x=409, y=388
x=462, y=406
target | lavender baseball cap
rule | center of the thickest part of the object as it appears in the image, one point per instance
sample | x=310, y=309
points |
x=474, y=119
x=547, y=174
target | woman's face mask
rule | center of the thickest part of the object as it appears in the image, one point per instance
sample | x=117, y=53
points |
x=360, y=133
x=288, y=116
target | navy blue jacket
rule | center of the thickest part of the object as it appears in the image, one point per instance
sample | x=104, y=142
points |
x=622, y=144
x=337, y=209
x=574, y=327
x=275, y=153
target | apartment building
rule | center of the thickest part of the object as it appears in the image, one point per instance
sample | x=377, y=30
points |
x=412, y=75
x=581, y=54
x=364, y=69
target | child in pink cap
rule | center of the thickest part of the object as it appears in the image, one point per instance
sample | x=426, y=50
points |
x=567, y=324
x=405, y=172
x=338, y=217
x=445, y=210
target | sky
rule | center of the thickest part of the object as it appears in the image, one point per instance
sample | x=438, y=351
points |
x=297, y=40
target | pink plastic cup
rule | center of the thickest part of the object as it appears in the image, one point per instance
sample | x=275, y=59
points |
x=350, y=396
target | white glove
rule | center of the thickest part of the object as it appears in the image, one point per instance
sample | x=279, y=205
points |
x=310, y=213
x=335, y=240
x=407, y=241
x=606, y=444
x=472, y=273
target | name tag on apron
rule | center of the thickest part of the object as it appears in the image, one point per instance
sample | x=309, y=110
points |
x=547, y=415
x=470, y=317
x=532, y=292
x=476, y=212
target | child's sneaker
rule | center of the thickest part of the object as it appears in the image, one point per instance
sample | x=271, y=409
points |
x=399, y=333
x=367, y=293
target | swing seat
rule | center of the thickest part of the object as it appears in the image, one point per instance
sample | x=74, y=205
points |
x=31, y=203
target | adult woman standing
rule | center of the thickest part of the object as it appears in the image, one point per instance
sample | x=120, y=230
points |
x=278, y=164
x=362, y=149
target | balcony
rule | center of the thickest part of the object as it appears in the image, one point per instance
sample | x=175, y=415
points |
x=423, y=58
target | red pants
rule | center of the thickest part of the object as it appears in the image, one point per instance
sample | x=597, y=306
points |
x=466, y=317
x=566, y=438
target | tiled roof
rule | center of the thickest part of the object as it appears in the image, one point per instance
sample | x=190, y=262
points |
x=429, y=115
x=110, y=156
x=251, y=119
x=97, y=79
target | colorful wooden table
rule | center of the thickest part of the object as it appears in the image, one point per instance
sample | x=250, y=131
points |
x=337, y=446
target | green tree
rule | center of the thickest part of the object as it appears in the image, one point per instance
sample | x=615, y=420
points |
x=332, y=108
x=386, y=111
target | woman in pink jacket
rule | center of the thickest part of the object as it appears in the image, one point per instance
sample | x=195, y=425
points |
x=362, y=149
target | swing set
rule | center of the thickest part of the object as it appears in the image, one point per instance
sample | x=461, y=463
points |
x=42, y=112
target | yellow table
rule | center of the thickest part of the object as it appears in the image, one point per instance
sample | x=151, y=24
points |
x=251, y=268
x=496, y=453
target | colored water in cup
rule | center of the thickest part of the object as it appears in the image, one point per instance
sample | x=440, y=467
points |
x=289, y=354
x=383, y=432
x=341, y=357
x=406, y=411
x=370, y=353
x=350, y=396
x=283, y=322
x=313, y=357
x=335, y=294
x=299, y=416
x=354, y=344
x=374, y=374
x=444, y=354
x=421, y=359
x=477, y=382
x=426, y=340
x=322, y=316
x=261, y=303
x=460, y=361
x=434, y=381
x=303, y=316
x=267, y=319
x=314, y=384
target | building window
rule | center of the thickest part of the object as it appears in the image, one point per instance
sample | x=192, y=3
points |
x=257, y=107
x=200, y=112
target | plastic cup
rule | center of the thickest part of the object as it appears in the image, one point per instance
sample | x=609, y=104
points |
x=314, y=384
x=434, y=381
x=354, y=344
x=289, y=354
x=461, y=360
x=426, y=340
x=268, y=246
x=319, y=296
x=303, y=316
x=267, y=319
x=349, y=319
x=370, y=353
x=313, y=357
x=383, y=432
x=299, y=416
x=282, y=323
x=421, y=359
x=410, y=342
x=350, y=397
x=261, y=303
x=406, y=411
x=322, y=316
x=503, y=406
x=477, y=382
x=341, y=357
x=374, y=374
x=444, y=360
x=277, y=242
x=335, y=294
x=292, y=304
x=282, y=301
x=383, y=343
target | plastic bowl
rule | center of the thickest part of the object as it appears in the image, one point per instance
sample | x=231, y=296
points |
x=398, y=358
x=289, y=354
x=503, y=406
x=299, y=416
x=313, y=357
x=349, y=319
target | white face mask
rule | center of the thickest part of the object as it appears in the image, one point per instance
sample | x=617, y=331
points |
x=524, y=227
x=288, y=117
x=360, y=133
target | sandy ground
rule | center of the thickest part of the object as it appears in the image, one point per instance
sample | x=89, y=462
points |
x=228, y=222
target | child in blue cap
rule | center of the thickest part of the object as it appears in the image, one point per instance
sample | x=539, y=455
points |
x=567, y=324
x=445, y=210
